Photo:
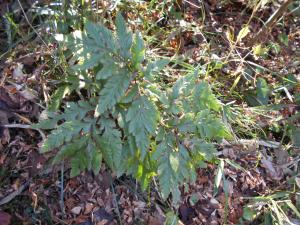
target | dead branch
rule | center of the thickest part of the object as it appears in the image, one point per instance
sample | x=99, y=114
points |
x=270, y=23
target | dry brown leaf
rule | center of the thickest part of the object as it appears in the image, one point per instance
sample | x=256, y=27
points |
x=229, y=152
x=28, y=94
x=18, y=73
x=271, y=170
x=76, y=210
x=101, y=214
x=4, y=218
x=103, y=222
x=281, y=156
x=88, y=208
x=16, y=184
x=5, y=136
x=155, y=221
x=2, y=159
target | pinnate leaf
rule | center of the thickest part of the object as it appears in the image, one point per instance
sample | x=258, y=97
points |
x=138, y=51
x=142, y=117
x=124, y=37
x=113, y=90
x=110, y=144
x=204, y=98
x=101, y=35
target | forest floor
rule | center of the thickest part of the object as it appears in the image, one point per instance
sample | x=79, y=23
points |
x=260, y=81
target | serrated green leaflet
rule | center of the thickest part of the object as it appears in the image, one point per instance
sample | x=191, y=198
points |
x=109, y=143
x=142, y=117
x=58, y=95
x=263, y=91
x=109, y=68
x=101, y=35
x=138, y=51
x=113, y=90
x=211, y=127
x=124, y=37
x=204, y=98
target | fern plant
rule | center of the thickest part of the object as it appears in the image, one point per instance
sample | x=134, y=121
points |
x=127, y=119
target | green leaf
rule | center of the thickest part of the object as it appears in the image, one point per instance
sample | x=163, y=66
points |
x=174, y=161
x=182, y=86
x=171, y=218
x=113, y=90
x=78, y=163
x=109, y=68
x=295, y=135
x=249, y=214
x=124, y=37
x=263, y=91
x=101, y=36
x=283, y=38
x=138, y=51
x=88, y=62
x=96, y=162
x=219, y=176
x=58, y=96
x=130, y=95
x=203, y=98
x=127, y=98
x=72, y=111
x=48, y=123
x=293, y=208
x=142, y=117
x=170, y=180
x=210, y=126
x=75, y=167
x=110, y=144
x=235, y=165
x=275, y=47
x=76, y=111
x=243, y=33
x=200, y=148
x=259, y=50
x=297, y=98
x=70, y=149
x=268, y=219
x=155, y=67
x=187, y=124
x=64, y=133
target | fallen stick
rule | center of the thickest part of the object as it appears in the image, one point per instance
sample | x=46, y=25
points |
x=14, y=194
x=24, y=126
x=269, y=144
x=270, y=23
